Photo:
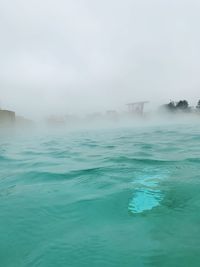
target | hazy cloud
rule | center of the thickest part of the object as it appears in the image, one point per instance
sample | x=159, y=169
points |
x=68, y=55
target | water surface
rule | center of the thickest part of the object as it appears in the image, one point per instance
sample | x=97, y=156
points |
x=117, y=197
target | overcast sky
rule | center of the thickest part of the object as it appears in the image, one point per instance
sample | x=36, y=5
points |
x=64, y=56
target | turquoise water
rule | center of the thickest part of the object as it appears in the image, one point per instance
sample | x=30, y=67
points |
x=115, y=197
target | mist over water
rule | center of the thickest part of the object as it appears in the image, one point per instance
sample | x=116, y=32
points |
x=126, y=196
x=86, y=56
x=87, y=178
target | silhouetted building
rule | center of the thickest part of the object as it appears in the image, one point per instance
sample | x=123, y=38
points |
x=56, y=120
x=136, y=107
x=7, y=117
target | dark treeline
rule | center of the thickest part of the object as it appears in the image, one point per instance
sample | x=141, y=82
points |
x=181, y=105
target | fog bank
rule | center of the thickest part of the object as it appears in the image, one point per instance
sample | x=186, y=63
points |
x=87, y=56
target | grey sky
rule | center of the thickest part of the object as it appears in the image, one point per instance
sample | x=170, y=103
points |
x=68, y=55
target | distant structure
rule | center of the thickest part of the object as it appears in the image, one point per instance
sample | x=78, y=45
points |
x=56, y=120
x=7, y=117
x=23, y=122
x=112, y=115
x=136, y=107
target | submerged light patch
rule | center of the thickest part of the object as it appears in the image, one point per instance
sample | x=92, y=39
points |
x=147, y=194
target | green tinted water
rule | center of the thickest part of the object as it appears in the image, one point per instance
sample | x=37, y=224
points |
x=121, y=197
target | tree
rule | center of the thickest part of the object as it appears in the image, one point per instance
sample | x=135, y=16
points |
x=171, y=106
x=198, y=106
x=182, y=105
